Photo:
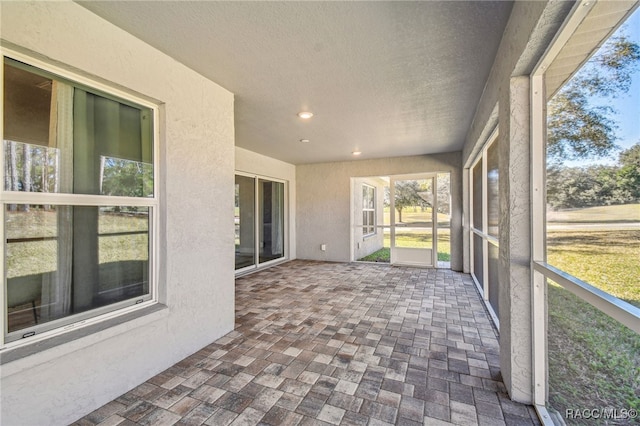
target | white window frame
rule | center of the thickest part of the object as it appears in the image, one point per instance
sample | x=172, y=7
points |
x=73, y=322
x=369, y=226
x=620, y=310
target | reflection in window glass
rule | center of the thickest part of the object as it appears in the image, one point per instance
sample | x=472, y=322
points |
x=493, y=202
x=61, y=138
x=64, y=260
x=125, y=178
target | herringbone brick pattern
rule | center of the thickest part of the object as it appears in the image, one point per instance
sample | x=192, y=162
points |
x=337, y=344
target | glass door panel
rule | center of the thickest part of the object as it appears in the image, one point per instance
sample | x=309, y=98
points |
x=245, y=222
x=271, y=220
x=412, y=221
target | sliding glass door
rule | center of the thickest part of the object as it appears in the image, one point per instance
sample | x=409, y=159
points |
x=245, y=221
x=259, y=221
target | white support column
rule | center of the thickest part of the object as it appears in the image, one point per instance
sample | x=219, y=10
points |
x=538, y=201
x=515, y=240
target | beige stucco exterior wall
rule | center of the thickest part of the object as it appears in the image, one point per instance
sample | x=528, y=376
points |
x=250, y=162
x=71, y=378
x=324, y=201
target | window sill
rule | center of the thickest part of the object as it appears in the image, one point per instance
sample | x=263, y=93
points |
x=61, y=344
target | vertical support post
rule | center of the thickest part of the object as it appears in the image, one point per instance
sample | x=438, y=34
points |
x=516, y=360
x=538, y=220
x=466, y=222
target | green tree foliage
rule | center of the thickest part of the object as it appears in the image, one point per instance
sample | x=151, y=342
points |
x=410, y=193
x=127, y=178
x=596, y=185
x=577, y=129
x=30, y=167
x=444, y=183
x=629, y=173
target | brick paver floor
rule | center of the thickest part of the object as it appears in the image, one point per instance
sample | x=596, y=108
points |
x=337, y=344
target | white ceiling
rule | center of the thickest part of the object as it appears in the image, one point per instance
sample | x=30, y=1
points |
x=384, y=78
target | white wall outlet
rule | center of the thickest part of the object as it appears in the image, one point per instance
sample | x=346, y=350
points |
x=323, y=247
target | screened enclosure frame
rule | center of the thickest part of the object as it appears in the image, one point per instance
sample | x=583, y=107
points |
x=478, y=227
x=541, y=271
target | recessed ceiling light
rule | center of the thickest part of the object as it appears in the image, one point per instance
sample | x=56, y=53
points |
x=305, y=114
x=304, y=140
x=356, y=152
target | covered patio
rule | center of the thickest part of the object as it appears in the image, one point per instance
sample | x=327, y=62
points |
x=337, y=343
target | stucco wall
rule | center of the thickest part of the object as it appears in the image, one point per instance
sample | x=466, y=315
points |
x=250, y=162
x=323, y=201
x=68, y=380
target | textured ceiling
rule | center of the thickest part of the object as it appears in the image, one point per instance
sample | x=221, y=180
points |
x=384, y=78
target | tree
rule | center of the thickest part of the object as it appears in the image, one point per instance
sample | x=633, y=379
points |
x=596, y=185
x=576, y=128
x=126, y=178
x=444, y=183
x=409, y=193
x=629, y=173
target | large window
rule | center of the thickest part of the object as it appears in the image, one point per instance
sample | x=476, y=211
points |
x=259, y=221
x=368, y=210
x=78, y=199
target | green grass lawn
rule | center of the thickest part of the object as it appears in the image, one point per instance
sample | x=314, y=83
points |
x=609, y=260
x=413, y=239
x=606, y=214
x=415, y=215
x=36, y=257
x=594, y=361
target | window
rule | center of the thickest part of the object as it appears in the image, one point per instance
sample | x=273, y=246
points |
x=78, y=201
x=368, y=210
